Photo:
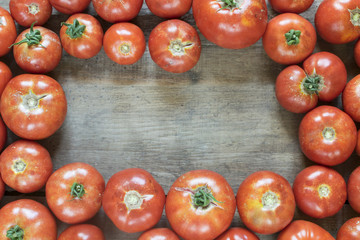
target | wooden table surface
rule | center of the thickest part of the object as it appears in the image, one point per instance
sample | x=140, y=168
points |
x=222, y=115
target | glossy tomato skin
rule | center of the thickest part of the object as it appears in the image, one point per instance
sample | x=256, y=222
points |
x=7, y=32
x=232, y=28
x=124, y=43
x=327, y=135
x=5, y=76
x=82, y=232
x=276, y=45
x=25, y=166
x=237, y=233
x=2, y=188
x=89, y=43
x=38, y=58
x=69, y=208
x=70, y=7
x=333, y=21
x=357, y=53
x=358, y=144
x=353, y=190
x=349, y=230
x=304, y=230
x=351, y=98
x=133, y=183
x=319, y=191
x=291, y=6
x=117, y=11
x=26, y=12
x=159, y=233
x=175, y=46
x=3, y=134
x=44, y=111
x=194, y=222
x=32, y=217
x=169, y=8
x=265, y=202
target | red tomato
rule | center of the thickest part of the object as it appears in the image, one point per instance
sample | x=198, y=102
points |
x=117, y=11
x=175, y=46
x=327, y=135
x=158, y=234
x=5, y=76
x=358, y=143
x=7, y=31
x=349, y=230
x=133, y=200
x=26, y=12
x=319, y=191
x=82, y=232
x=291, y=6
x=200, y=205
x=289, y=38
x=337, y=21
x=124, y=43
x=357, y=53
x=81, y=36
x=2, y=188
x=3, y=134
x=25, y=166
x=169, y=8
x=353, y=190
x=26, y=219
x=265, y=202
x=351, y=98
x=304, y=230
x=237, y=233
x=231, y=24
x=33, y=106
x=74, y=192
x=70, y=7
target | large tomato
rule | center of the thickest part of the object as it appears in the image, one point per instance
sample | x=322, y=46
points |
x=37, y=50
x=26, y=219
x=81, y=36
x=133, y=200
x=351, y=98
x=5, y=76
x=25, y=166
x=327, y=135
x=117, y=11
x=74, y=192
x=26, y=12
x=319, y=191
x=337, y=21
x=170, y=8
x=291, y=6
x=358, y=143
x=175, y=46
x=304, y=230
x=265, y=202
x=200, y=205
x=237, y=233
x=350, y=230
x=7, y=31
x=158, y=234
x=2, y=188
x=289, y=38
x=357, y=53
x=231, y=23
x=3, y=134
x=353, y=189
x=33, y=106
x=124, y=43
x=70, y=7
x=82, y=232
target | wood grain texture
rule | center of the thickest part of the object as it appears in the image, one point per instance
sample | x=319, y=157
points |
x=222, y=115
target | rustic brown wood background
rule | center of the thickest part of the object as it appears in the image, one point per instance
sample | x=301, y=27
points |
x=222, y=115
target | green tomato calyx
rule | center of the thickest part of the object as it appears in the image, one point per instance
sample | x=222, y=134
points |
x=31, y=38
x=15, y=233
x=312, y=84
x=229, y=4
x=293, y=37
x=355, y=16
x=74, y=30
x=202, y=197
x=77, y=190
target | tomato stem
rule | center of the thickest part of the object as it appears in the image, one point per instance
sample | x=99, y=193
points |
x=203, y=197
x=355, y=16
x=33, y=8
x=31, y=38
x=329, y=133
x=229, y=4
x=293, y=37
x=77, y=190
x=19, y=166
x=74, y=30
x=15, y=233
x=312, y=84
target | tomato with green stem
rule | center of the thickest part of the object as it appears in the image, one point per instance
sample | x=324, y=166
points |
x=82, y=232
x=70, y=7
x=237, y=233
x=26, y=12
x=159, y=233
x=349, y=230
x=7, y=31
x=117, y=11
x=304, y=230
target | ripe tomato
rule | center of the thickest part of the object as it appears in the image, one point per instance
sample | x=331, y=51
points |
x=7, y=31
x=231, y=23
x=265, y=202
x=175, y=46
x=304, y=230
x=37, y=50
x=2, y=188
x=200, y=205
x=237, y=233
x=26, y=12
x=70, y=7
x=291, y=6
x=337, y=21
x=81, y=36
x=26, y=219
x=74, y=192
x=25, y=166
x=33, y=106
x=351, y=98
x=319, y=191
x=327, y=135
x=170, y=8
x=353, y=189
x=124, y=43
x=349, y=230
x=289, y=38
x=5, y=76
x=82, y=232
x=117, y=11
x=357, y=53
x=133, y=200
x=3, y=134
x=159, y=233
x=358, y=143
